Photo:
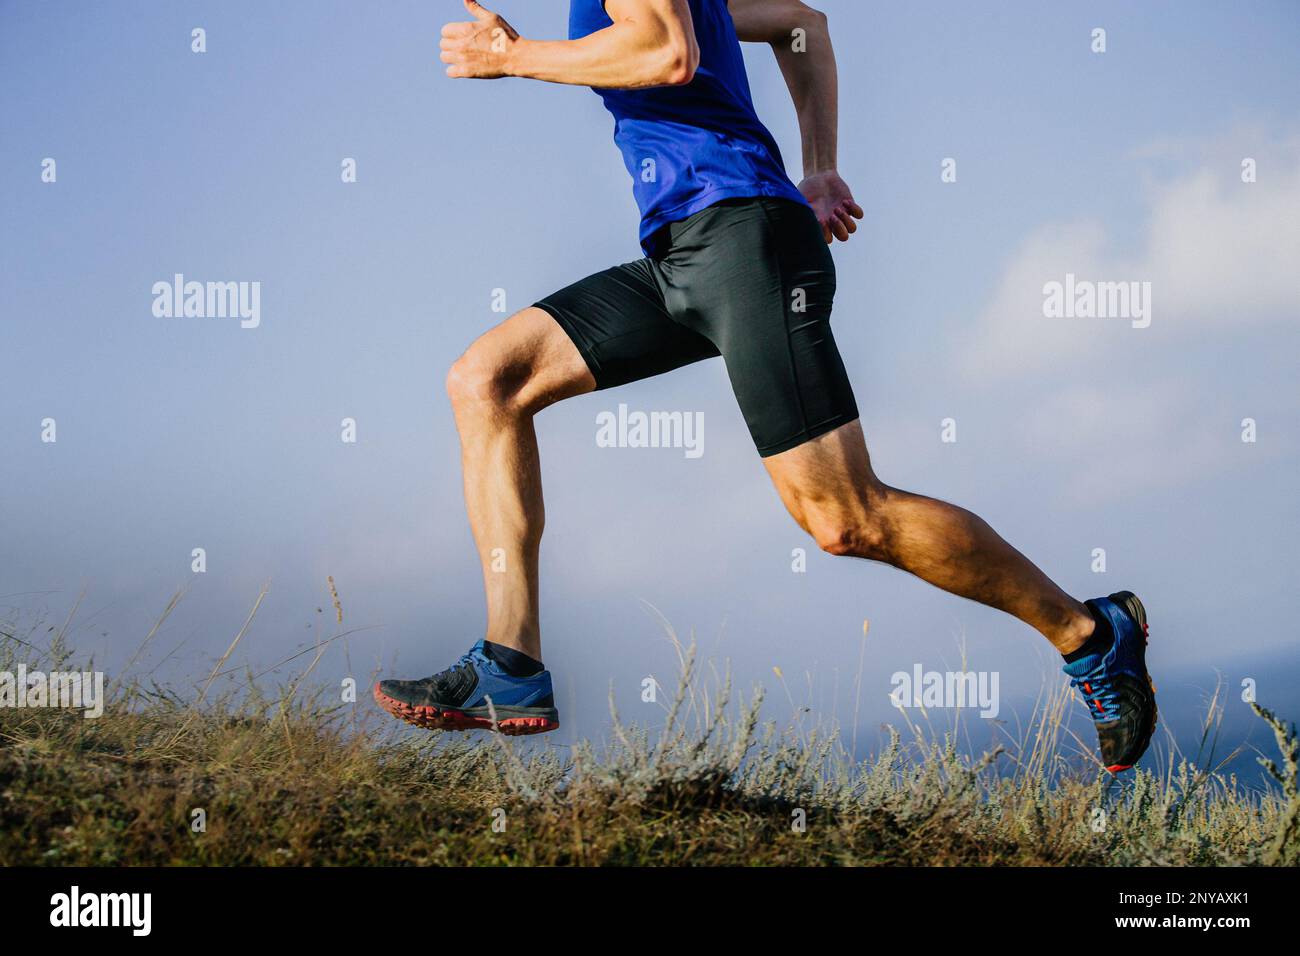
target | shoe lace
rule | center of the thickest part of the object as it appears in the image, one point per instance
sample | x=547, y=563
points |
x=1099, y=692
x=466, y=660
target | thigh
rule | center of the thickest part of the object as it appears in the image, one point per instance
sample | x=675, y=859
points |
x=757, y=280
x=830, y=474
x=617, y=321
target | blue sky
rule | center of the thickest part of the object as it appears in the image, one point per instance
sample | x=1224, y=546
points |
x=1072, y=434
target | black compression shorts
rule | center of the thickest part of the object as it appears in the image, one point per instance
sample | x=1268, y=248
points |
x=748, y=279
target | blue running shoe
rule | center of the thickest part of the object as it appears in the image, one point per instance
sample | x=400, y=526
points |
x=457, y=698
x=1120, y=694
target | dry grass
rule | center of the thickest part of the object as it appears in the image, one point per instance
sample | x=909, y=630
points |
x=294, y=778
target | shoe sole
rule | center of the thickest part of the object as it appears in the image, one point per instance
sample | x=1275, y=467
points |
x=1137, y=610
x=431, y=717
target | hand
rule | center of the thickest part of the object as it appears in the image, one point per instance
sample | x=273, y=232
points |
x=832, y=201
x=479, y=49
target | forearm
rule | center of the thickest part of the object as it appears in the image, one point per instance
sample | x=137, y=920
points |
x=648, y=43
x=809, y=70
x=630, y=54
x=801, y=40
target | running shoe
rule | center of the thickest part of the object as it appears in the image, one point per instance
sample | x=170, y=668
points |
x=458, y=698
x=1120, y=694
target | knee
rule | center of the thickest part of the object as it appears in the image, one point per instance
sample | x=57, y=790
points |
x=863, y=536
x=481, y=380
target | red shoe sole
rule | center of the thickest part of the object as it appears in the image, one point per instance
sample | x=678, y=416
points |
x=436, y=718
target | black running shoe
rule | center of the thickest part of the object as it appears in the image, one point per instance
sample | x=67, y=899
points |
x=1120, y=694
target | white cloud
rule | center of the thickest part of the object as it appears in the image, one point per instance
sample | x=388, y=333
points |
x=1116, y=441
x=1222, y=257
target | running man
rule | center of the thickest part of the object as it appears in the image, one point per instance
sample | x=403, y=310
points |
x=736, y=264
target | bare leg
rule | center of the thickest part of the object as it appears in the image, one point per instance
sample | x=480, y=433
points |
x=496, y=387
x=829, y=487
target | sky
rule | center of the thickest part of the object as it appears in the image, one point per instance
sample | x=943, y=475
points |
x=1072, y=434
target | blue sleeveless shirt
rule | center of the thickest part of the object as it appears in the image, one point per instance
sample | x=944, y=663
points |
x=688, y=147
